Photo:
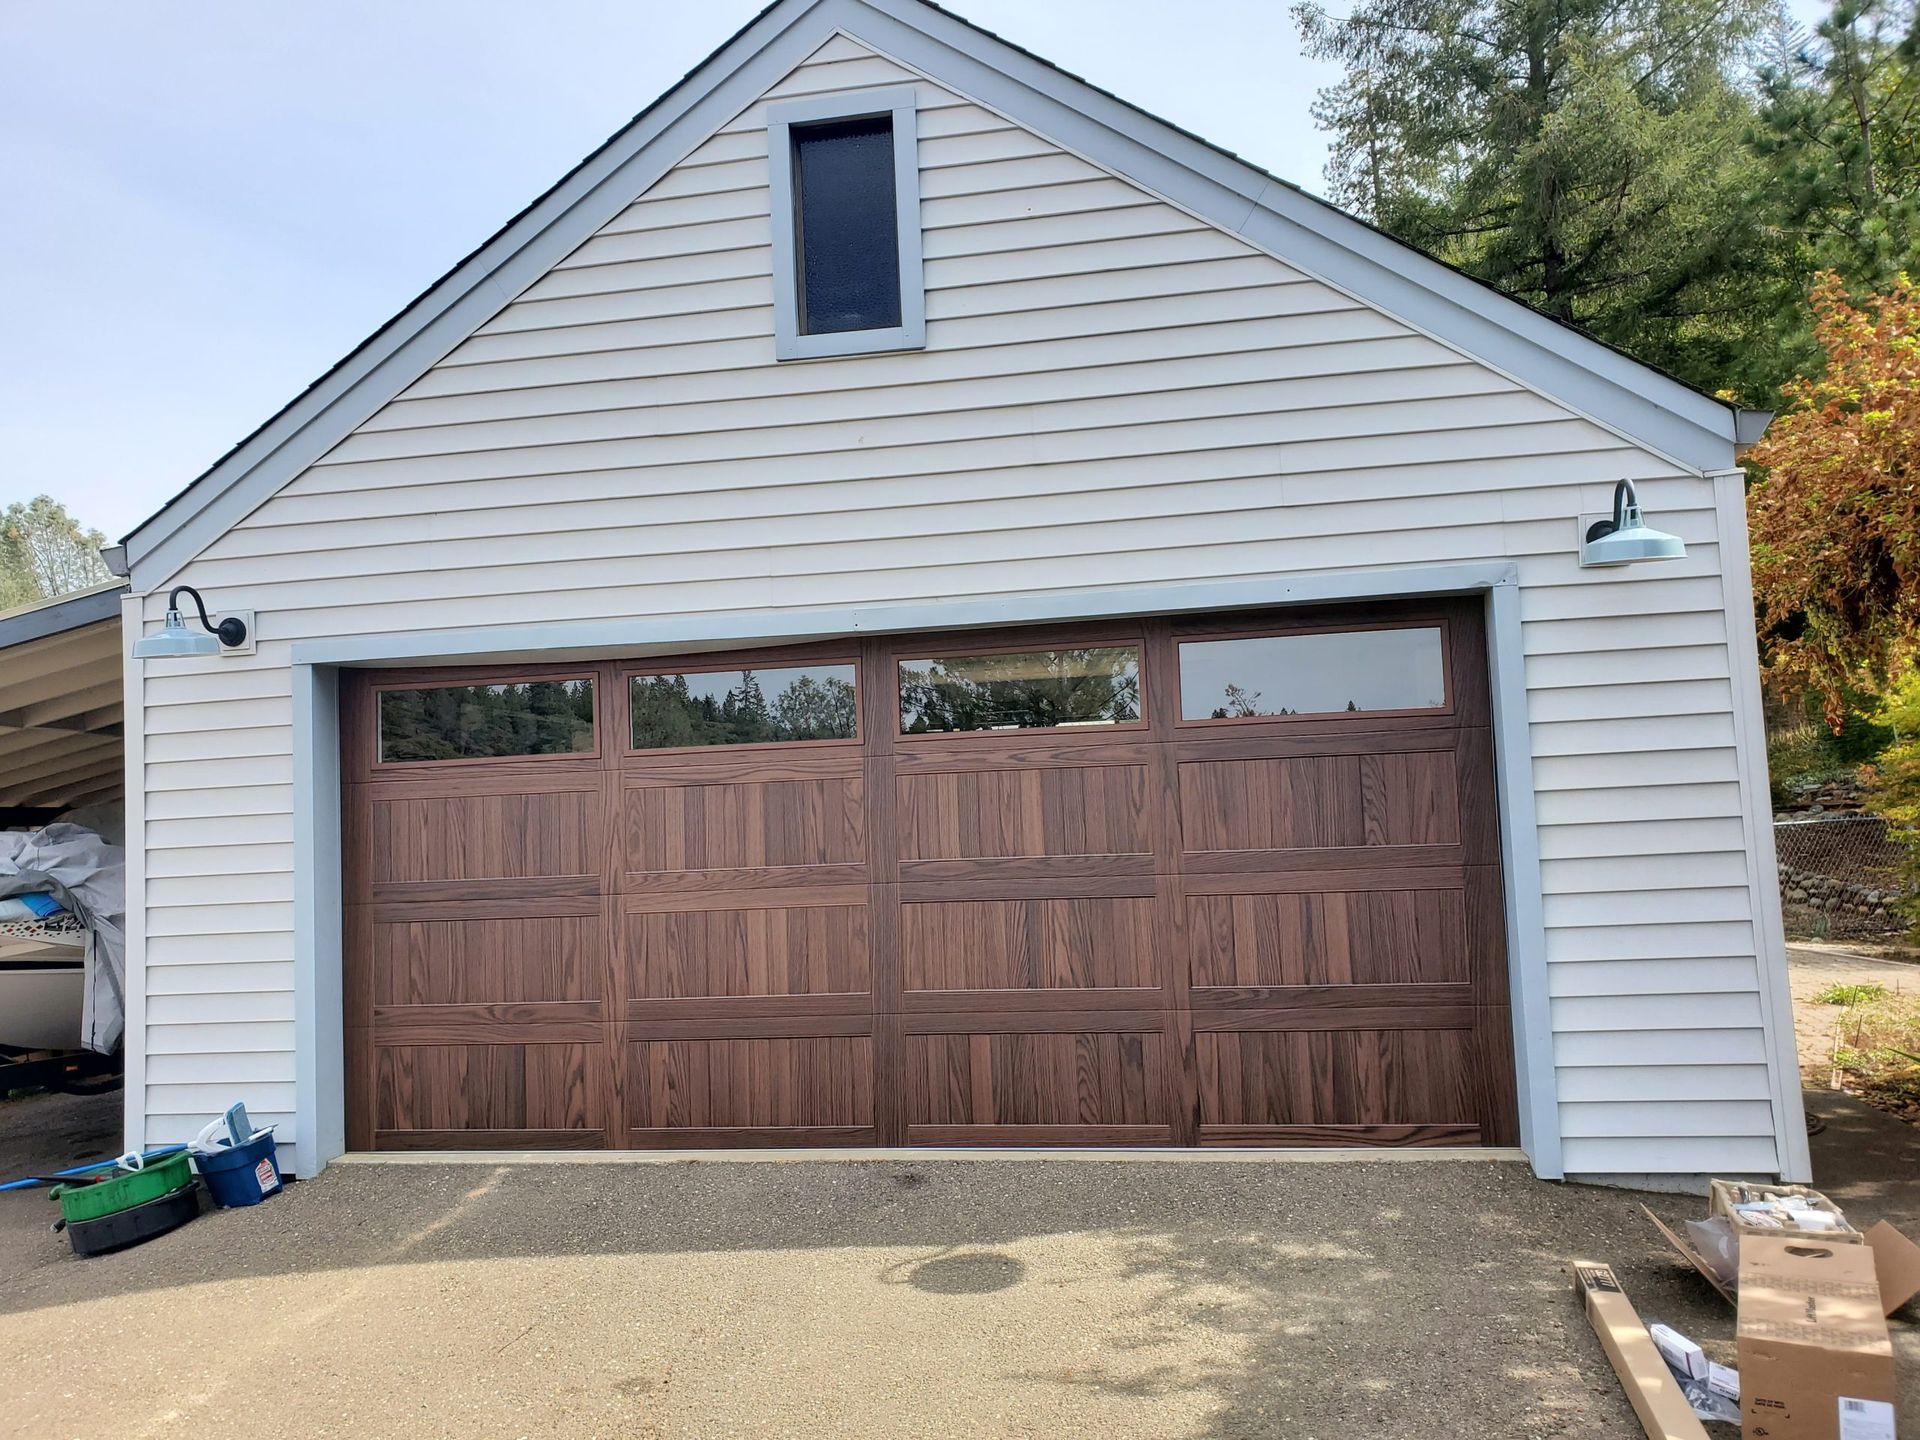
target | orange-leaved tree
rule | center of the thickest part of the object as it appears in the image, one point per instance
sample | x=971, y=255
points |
x=1835, y=515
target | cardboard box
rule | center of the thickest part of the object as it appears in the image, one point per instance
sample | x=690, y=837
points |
x=1650, y=1386
x=1815, y=1359
x=1896, y=1262
x=1725, y=1196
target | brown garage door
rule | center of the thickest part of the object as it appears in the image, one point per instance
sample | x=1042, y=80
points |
x=1225, y=880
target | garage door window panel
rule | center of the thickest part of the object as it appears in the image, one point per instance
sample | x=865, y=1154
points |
x=744, y=707
x=495, y=719
x=1084, y=687
x=1315, y=674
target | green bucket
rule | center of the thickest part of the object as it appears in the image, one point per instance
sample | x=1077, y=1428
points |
x=127, y=1188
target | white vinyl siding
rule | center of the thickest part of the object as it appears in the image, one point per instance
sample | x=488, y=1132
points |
x=1111, y=392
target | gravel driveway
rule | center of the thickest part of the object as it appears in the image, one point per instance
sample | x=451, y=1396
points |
x=931, y=1298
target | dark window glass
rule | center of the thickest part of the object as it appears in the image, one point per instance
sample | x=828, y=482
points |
x=1331, y=673
x=465, y=722
x=846, y=230
x=743, y=707
x=1036, y=690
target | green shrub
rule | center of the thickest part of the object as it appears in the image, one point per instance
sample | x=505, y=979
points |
x=1850, y=994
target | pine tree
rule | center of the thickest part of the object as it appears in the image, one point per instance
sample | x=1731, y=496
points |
x=1581, y=154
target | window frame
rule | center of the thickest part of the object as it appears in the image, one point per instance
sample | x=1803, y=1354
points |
x=631, y=672
x=1317, y=717
x=379, y=765
x=899, y=103
x=901, y=657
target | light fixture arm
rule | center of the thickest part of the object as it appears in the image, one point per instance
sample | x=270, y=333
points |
x=231, y=631
x=1626, y=502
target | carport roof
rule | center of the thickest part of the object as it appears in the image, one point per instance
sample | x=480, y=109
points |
x=61, y=733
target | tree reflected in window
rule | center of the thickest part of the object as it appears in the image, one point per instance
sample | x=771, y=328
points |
x=743, y=707
x=469, y=722
x=1032, y=690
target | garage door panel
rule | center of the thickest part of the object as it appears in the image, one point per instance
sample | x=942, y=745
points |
x=1000, y=814
x=1376, y=937
x=1320, y=801
x=469, y=961
x=770, y=951
x=1041, y=1086
x=782, y=1087
x=486, y=837
x=1357, y=1077
x=1045, y=944
x=777, y=824
x=483, y=1092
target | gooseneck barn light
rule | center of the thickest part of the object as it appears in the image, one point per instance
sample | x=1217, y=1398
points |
x=176, y=639
x=1627, y=537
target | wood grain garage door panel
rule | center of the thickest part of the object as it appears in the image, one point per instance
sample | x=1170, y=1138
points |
x=745, y=825
x=1207, y=923
x=791, y=1090
x=1045, y=1087
x=1053, y=944
x=488, y=836
x=1376, y=937
x=1001, y=814
x=1292, y=1083
x=487, y=1095
x=777, y=951
x=1320, y=801
x=489, y=961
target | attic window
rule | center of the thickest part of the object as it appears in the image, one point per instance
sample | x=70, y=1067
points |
x=846, y=225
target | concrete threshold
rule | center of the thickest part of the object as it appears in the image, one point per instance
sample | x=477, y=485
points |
x=1131, y=1155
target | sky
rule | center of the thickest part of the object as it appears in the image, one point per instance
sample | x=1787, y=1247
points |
x=208, y=202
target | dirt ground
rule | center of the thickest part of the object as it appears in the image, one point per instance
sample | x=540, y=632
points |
x=923, y=1298
x=1810, y=970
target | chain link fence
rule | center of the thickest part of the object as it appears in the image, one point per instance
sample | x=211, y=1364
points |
x=1839, y=877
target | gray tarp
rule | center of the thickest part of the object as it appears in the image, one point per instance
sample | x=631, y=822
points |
x=89, y=877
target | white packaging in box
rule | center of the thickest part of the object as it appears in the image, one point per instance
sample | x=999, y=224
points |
x=1680, y=1352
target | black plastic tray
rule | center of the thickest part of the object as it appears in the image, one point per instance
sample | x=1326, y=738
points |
x=131, y=1226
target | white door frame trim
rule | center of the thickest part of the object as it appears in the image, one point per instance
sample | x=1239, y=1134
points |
x=319, y=1067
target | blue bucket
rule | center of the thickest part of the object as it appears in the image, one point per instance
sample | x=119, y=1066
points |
x=240, y=1174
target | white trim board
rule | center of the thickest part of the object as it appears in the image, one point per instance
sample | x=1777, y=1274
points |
x=133, y=1087
x=1750, y=743
x=320, y=1100
x=1556, y=361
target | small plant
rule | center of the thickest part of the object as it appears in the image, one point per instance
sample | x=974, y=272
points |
x=1878, y=1051
x=1850, y=994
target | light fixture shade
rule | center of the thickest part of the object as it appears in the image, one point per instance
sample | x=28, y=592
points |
x=175, y=639
x=1627, y=538
x=1631, y=543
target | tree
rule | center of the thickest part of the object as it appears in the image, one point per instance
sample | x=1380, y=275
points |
x=1581, y=154
x=45, y=553
x=1837, y=127
x=1835, y=514
x=1893, y=782
x=1839, y=184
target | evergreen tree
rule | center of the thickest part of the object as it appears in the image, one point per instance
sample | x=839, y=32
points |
x=1583, y=155
x=45, y=553
x=1838, y=137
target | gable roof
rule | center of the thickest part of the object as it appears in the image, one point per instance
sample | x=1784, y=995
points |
x=1560, y=362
